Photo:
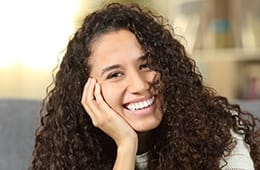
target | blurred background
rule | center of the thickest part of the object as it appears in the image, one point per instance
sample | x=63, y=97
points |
x=221, y=35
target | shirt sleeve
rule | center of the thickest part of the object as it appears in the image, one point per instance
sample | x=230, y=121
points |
x=239, y=158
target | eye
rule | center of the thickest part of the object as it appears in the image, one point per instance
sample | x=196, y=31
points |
x=144, y=67
x=114, y=75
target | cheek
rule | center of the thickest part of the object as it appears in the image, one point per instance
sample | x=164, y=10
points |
x=112, y=95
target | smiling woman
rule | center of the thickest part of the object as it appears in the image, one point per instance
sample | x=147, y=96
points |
x=127, y=96
x=118, y=62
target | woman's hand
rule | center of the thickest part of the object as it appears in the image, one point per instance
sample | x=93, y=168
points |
x=106, y=118
x=112, y=124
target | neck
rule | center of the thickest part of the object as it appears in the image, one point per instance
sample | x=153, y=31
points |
x=144, y=141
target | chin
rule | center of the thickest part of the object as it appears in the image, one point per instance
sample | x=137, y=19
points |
x=144, y=127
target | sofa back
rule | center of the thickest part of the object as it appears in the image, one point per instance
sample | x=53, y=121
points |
x=18, y=121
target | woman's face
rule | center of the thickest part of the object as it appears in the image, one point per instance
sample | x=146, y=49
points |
x=118, y=64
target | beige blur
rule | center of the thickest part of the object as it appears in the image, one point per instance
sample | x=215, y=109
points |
x=228, y=55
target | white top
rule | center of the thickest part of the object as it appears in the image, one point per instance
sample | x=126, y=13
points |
x=239, y=158
x=141, y=161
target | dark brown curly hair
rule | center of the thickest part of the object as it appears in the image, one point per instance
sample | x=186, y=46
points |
x=195, y=130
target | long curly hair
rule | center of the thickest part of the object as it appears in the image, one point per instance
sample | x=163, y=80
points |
x=195, y=132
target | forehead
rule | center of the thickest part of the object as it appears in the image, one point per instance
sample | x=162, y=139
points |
x=120, y=44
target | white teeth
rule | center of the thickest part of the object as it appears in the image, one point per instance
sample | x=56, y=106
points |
x=140, y=105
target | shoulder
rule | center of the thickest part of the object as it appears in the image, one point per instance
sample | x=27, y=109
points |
x=240, y=157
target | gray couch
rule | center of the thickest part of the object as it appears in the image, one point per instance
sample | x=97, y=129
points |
x=18, y=120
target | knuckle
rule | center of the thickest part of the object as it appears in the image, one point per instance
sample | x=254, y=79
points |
x=101, y=123
x=94, y=123
x=82, y=102
x=98, y=102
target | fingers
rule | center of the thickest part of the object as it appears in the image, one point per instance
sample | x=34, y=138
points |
x=90, y=88
x=93, y=102
x=88, y=98
x=99, y=98
x=102, y=115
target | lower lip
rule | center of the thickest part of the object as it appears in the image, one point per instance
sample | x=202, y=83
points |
x=145, y=111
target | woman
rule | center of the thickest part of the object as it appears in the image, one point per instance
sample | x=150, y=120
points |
x=127, y=96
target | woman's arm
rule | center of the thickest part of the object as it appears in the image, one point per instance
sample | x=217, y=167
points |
x=125, y=158
x=112, y=124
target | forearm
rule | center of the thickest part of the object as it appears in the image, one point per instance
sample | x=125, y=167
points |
x=126, y=157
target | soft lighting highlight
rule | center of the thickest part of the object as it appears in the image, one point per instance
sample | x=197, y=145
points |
x=34, y=33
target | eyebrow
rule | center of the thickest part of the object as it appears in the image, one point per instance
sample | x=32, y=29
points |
x=106, y=69
x=110, y=68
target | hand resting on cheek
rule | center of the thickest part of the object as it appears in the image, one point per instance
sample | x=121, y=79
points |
x=103, y=116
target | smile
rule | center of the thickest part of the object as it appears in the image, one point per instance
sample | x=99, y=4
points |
x=140, y=105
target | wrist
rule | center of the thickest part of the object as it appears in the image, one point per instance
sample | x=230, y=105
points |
x=126, y=153
x=128, y=146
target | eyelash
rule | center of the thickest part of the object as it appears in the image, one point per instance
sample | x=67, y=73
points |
x=117, y=74
x=143, y=66
x=114, y=75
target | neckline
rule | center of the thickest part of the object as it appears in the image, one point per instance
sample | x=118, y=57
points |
x=142, y=157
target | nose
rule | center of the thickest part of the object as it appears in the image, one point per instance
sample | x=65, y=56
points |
x=138, y=83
